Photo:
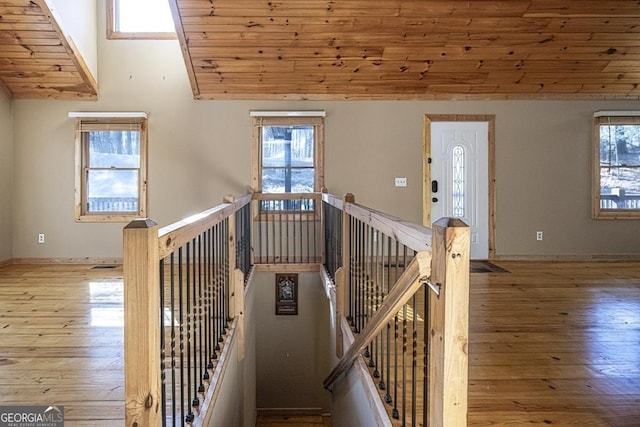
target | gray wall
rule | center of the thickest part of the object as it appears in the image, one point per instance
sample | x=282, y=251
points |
x=6, y=179
x=352, y=404
x=200, y=150
x=292, y=352
x=236, y=404
x=249, y=380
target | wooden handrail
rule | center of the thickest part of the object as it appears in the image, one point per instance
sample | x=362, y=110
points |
x=412, y=235
x=285, y=196
x=179, y=233
x=401, y=292
x=333, y=200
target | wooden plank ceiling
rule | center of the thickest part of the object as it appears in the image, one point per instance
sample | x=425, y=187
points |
x=410, y=49
x=37, y=60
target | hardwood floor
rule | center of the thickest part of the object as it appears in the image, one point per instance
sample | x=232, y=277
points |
x=293, y=421
x=61, y=341
x=555, y=344
x=550, y=343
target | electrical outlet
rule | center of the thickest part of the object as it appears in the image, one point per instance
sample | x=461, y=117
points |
x=538, y=235
x=41, y=238
x=401, y=182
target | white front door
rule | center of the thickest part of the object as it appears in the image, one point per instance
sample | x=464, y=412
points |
x=460, y=178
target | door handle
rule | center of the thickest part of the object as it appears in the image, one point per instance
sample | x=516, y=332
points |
x=434, y=186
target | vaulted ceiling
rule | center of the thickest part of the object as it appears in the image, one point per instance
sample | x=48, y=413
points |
x=410, y=49
x=359, y=49
x=37, y=59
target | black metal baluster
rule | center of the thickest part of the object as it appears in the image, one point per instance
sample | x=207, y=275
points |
x=405, y=343
x=352, y=262
x=368, y=288
x=328, y=252
x=227, y=273
x=383, y=386
x=404, y=365
x=288, y=219
x=339, y=237
x=377, y=355
x=181, y=304
x=214, y=293
x=384, y=337
x=300, y=222
x=394, y=413
x=220, y=284
x=425, y=348
x=300, y=233
x=204, y=374
x=307, y=221
x=240, y=236
x=223, y=296
x=275, y=240
x=195, y=403
x=361, y=276
x=199, y=355
x=163, y=375
x=310, y=221
x=190, y=416
x=352, y=271
x=248, y=233
x=212, y=299
x=359, y=287
x=225, y=277
x=207, y=305
x=414, y=362
x=266, y=238
x=173, y=337
x=216, y=290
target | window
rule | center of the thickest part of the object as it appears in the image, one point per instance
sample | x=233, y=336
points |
x=616, y=177
x=288, y=158
x=458, y=181
x=111, y=169
x=140, y=19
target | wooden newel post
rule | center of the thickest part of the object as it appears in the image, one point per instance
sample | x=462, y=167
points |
x=231, y=248
x=343, y=274
x=449, y=325
x=236, y=281
x=142, y=324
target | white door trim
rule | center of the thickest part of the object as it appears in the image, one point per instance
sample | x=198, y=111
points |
x=426, y=167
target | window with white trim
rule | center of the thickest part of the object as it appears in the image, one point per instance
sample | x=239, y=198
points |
x=616, y=171
x=140, y=19
x=111, y=169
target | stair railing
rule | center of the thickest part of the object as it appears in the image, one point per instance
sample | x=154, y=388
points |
x=183, y=299
x=406, y=298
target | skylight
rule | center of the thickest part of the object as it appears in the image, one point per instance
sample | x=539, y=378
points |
x=143, y=16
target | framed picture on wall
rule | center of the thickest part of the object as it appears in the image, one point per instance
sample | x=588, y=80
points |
x=286, y=294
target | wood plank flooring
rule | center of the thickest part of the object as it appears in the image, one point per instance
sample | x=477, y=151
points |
x=550, y=343
x=293, y=421
x=61, y=341
x=555, y=344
